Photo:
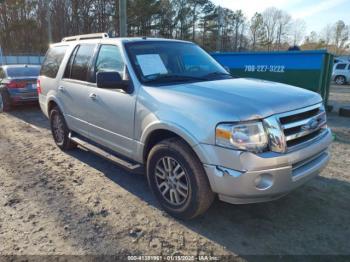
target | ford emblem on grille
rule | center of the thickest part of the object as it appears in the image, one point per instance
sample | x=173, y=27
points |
x=311, y=125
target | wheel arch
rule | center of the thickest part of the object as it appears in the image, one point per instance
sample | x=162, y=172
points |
x=51, y=102
x=160, y=131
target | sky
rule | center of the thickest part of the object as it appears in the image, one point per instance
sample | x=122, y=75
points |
x=316, y=13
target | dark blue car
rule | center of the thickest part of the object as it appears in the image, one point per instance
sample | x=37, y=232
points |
x=18, y=85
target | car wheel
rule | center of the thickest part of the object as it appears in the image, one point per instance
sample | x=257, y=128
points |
x=340, y=80
x=178, y=180
x=60, y=131
x=5, y=103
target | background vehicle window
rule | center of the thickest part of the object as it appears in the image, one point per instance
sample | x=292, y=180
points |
x=109, y=59
x=81, y=62
x=23, y=71
x=52, y=61
x=341, y=66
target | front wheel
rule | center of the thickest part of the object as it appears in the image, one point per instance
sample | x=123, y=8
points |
x=60, y=131
x=178, y=180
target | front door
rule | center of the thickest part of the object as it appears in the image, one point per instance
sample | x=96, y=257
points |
x=112, y=110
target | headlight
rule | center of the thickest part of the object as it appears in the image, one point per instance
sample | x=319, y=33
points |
x=244, y=136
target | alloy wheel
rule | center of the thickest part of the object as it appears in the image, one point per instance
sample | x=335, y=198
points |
x=58, y=128
x=172, y=181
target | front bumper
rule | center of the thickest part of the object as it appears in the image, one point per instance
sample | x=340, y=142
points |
x=243, y=177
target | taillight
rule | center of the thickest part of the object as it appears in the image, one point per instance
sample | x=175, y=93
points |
x=15, y=84
x=38, y=86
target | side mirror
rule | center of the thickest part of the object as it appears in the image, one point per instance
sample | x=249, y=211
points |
x=111, y=80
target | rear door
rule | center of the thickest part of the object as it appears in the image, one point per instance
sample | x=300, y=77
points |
x=74, y=89
x=112, y=110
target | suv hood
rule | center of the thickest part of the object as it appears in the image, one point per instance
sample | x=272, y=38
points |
x=235, y=99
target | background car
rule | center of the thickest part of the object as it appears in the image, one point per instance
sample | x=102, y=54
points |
x=18, y=85
x=341, y=73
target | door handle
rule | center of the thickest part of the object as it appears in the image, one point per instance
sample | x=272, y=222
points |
x=61, y=88
x=93, y=96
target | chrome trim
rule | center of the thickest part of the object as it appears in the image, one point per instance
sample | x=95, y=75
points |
x=305, y=133
x=276, y=131
x=308, y=142
x=277, y=140
x=298, y=111
x=302, y=122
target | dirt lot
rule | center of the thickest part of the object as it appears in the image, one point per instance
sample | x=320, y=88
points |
x=57, y=203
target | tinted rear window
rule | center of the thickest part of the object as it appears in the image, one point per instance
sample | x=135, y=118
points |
x=53, y=61
x=22, y=71
x=341, y=66
x=81, y=62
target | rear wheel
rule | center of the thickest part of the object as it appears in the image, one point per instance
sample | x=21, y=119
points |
x=60, y=131
x=5, y=102
x=178, y=180
x=340, y=80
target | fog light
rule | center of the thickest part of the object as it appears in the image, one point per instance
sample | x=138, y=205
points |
x=263, y=181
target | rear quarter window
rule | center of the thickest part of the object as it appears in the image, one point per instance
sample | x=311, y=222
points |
x=52, y=61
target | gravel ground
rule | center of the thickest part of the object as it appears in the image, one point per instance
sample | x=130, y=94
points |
x=56, y=203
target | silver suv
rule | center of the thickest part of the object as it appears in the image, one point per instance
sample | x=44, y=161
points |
x=167, y=107
x=341, y=73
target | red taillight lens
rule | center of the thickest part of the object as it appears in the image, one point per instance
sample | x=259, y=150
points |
x=38, y=86
x=14, y=84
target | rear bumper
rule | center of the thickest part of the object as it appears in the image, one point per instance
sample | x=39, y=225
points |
x=23, y=95
x=251, y=178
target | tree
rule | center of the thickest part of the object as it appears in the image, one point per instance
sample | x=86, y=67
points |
x=270, y=20
x=297, y=31
x=256, y=28
x=341, y=35
x=283, y=27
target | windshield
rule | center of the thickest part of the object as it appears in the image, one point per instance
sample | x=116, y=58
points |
x=23, y=71
x=171, y=62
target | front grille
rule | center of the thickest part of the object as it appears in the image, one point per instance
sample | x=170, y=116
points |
x=302, y=125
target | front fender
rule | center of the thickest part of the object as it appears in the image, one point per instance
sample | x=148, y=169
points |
x=168, y=126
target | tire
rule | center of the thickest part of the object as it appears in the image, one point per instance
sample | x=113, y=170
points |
x=171, y=165
x=60, y=131
x=340, y=80
x=5, y=101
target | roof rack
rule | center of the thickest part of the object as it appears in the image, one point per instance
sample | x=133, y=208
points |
x=85, y=37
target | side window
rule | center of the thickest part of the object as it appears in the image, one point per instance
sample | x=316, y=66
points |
x=109, y=59
x=81, y=62
x=68, y=69
x=52, y=61
x=340, y=66
x=349, y=66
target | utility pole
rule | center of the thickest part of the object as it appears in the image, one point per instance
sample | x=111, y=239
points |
x=49, y=29
x=122, y=19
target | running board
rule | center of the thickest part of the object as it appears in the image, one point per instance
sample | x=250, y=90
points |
x=128, y=165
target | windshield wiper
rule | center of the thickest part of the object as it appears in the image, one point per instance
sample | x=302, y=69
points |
x=217, y=73
x=175, y=78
